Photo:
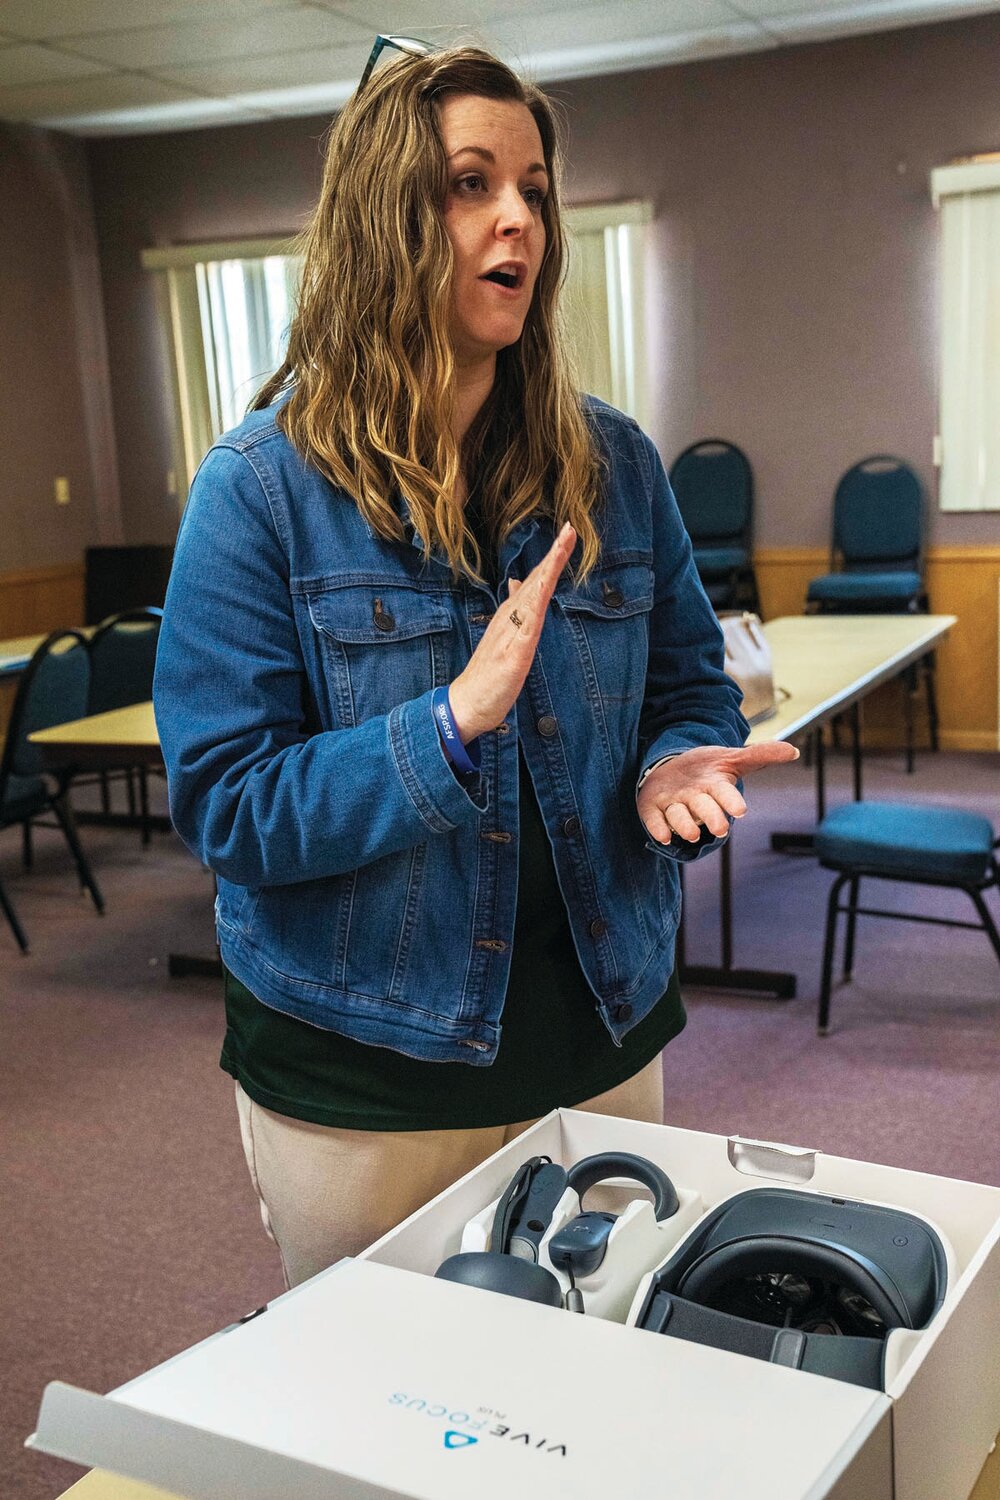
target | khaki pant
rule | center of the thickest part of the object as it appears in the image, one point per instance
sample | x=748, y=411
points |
x=325, y=1193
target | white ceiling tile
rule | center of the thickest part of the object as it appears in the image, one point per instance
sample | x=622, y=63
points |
x=291, y=29
x=83, y=96
x=26, y=64
x=282, y=71
x=440, y=20
x=604, y=27
x=40, y=19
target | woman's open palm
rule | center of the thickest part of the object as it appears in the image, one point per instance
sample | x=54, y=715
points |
x=698, y=788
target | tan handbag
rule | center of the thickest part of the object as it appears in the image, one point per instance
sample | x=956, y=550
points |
x=748, y=662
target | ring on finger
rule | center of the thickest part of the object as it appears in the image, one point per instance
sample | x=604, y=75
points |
x=516, y=620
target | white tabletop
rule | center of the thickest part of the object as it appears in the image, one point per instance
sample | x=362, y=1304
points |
x=827, y=662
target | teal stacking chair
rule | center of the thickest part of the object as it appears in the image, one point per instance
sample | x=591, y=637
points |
x=907, y=841
x=876, y=560
x=122, y=661
x=52, y=690
x=712, y=483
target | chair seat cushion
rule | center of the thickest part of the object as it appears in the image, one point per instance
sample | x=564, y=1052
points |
x=907, y=840
x=856, y=588
x=719, y=559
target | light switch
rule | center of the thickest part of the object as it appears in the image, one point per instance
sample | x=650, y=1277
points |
x=62, y=490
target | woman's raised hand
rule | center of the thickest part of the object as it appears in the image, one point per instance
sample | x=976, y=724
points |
x=486, y=689
x=698, y=787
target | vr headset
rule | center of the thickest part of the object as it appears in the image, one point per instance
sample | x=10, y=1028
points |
x=802, y=1280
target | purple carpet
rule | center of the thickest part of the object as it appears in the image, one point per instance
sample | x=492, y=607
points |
x=130, y=1229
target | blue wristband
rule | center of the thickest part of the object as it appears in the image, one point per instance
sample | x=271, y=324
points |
x=465, y=758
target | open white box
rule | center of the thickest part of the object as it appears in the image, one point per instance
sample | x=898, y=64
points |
x=374, y=1379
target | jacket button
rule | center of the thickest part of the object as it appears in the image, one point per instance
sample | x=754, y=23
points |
x=503, y=728
x=624, y=1012
x=613, y=598
x=598, y=927
x=547, y=726
x=571, y=827
x=382, y=618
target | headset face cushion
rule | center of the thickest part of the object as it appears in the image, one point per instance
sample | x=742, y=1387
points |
x=503, y=1273
x=768, y=1253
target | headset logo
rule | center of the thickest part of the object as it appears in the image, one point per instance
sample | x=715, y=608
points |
x=463, y=1426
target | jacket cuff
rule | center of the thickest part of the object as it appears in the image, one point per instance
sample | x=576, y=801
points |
x=443, y=799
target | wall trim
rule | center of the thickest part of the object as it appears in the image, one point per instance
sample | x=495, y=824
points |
x=772, y=557
x=50, y=574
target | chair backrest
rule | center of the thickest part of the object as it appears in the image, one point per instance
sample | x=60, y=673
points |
x=52, y=690
x=122, y=658
x=713, y=484
x=878, y=515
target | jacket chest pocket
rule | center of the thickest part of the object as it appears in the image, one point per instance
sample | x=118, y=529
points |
x=381, y=645
x=609, y=621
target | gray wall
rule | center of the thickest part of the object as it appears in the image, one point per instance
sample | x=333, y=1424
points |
x=792, y=270
x=55, y=411
x=793, y=274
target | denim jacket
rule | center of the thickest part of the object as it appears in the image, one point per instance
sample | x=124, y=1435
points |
x=363, y=885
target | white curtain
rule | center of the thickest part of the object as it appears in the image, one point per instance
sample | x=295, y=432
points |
x=968, y=197
x=227, y=309
x=603, y=302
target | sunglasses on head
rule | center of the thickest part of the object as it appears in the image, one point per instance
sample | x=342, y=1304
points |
x=409, y=44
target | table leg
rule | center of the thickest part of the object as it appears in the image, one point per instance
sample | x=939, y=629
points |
x=183, y=966
x=805, y=843
x=196, y=966
x=856, y=749
x=725, y=976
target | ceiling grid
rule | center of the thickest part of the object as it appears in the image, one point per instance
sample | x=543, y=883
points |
x=121, y=67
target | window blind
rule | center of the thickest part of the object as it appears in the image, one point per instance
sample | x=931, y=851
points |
x=968, y=199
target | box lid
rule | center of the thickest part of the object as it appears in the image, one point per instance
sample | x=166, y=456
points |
x=402, y=1384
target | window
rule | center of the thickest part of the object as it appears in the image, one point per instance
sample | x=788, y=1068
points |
x=968, y=197
x=604, y=302
x=228, y=309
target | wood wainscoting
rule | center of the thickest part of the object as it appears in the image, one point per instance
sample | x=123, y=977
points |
x=961, y=581
x=34, y=601
x=37, y=600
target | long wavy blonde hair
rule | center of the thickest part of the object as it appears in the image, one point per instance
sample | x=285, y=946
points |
x=370, y=365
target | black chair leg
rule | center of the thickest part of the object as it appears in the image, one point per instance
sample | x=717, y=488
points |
x=823, y=1019
x=105, y=794
x=11, y=915
x=27, y=849
x=130, y=790
x=144, y=804
x=64, y=813
x=852, y=922
x=989, y=926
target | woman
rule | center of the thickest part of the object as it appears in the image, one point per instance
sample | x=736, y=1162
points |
x=440, y=696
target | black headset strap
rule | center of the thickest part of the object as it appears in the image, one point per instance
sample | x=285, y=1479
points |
x=594, y=1169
